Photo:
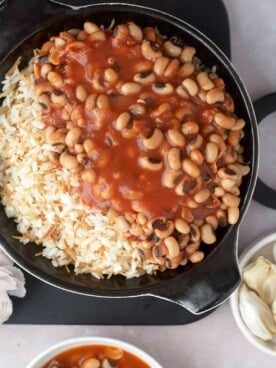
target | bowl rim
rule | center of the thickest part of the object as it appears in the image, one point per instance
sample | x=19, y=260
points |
x=53, y=350
x=244, y=259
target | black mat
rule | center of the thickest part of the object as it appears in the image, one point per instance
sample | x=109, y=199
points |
x=45, y=304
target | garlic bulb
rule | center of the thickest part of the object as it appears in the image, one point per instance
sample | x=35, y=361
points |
x=256, y=314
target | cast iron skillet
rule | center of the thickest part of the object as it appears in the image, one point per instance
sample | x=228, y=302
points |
x=197, y=288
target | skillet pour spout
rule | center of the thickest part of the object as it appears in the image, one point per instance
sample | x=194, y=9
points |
x=207, y=285
x=200, y=287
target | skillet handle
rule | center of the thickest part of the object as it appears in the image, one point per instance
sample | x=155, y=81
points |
x=209, y=284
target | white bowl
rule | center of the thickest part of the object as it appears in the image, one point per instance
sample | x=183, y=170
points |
x=262, y=247
x=54, y=350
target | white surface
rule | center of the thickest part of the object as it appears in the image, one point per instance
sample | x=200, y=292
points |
x=214, y=341
x=60, y=347
x=262, y=247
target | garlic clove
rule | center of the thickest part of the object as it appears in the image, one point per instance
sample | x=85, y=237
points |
x=261, y=277
x=256, y=314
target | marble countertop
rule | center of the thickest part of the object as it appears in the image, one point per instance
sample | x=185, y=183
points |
x=214, y=341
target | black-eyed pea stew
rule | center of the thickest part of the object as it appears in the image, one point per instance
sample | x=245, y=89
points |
x=95, y=356
x=152, y=137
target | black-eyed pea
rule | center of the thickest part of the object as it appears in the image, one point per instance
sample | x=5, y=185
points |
x=90, y=27
x=172, y=68
x=91, y=363
x=78, y=148
x=43, y=87
x=164, y=230
x=211, y=152
x=88, y=175
x=192, y=248
x=194, y=233
x=73, y=136
x=162, y=88
x=130, y=89
x=44, y=101
x=113, y=353
x=106, y=364
x=187, y=54
x=197, y=157
x=73, y=31
x=110, y=76
x=171, y=178
x=176, y=138
x=227, y=184
x=231, y=200
x=186, y=70
x=55, y=136
x=215, y=138
x=233, y=215
x=192, y=204
x=212, y=220
x=58, y=98
x=234, y=190
x=97, y=36
x=141, y=219
x=240, y=124
x=214, y=95
x=90, y=102
x=234, y=137
x=150, y=163
x=190, y=168
x=191, y=86
x=224, y=121
x=222, y=217
x=202, y=195
x=135, y=31
x=196, y=257
x=122, y=121
x=172, y=246
x=81, y=93
x=190, y=127
x=155, y=140
x=245, y=169
x=184, y=261
x=53, y=157
x=160, y=65
x=60, y=43
x=137, y=110
x=182, y=226
x=207, y=234
x=204, y=81
x=171, y=49
x=144, y=78
x=174, y=158
x=219, y=192
x=68, y=161
x=235, y=168
x=227, y=173
x=45, y=70
x=122, y=223
x=88, y=145
x=181, y=91
x=150, y=50
x=55, y=79
x=103, y=102
x=195, y=143
x=82, y=36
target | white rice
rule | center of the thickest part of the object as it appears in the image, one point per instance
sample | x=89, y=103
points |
x=44, y=200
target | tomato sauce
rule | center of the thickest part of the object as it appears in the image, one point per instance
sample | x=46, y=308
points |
x=122, y=172
x=74, y=358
